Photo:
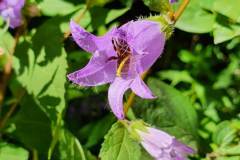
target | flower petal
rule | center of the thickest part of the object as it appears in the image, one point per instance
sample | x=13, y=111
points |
x=152, y=150
x=115, y=96
x=90, y=42
x=157, y=137
x=14, y=17
x=97, y=72
x=141, y=89
x=16, y=3
x=11, y=11
x=182, y=148
x=146, y=37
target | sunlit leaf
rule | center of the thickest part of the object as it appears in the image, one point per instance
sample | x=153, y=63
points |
x=12, y=152
x=119, y=145
x=195, y=19
x=229, y=8
x=70, y=147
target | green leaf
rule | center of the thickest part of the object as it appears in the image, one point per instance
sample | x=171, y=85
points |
x=229, y=8
x=224, y=30
x=224, y=134
x=32, y=126
x=118, y=145
x=171, y=111
x=41, y=67
x=56, y=7
x=95, y=131
x=6, y=41
x=1, y=21
x=195, y=19
x=207, y=4
x=70, y=147
x=228, y=158
x=226, y=137
x=145, y=155
x=86, y=17
x=225, y=78
x=12, y=152
x=176, y=76
x=230, y=150
x=115, y=13
x=92, y=3
x=98, y=16
x=157, y=5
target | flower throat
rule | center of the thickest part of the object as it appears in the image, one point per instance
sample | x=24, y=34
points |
x=123, y=55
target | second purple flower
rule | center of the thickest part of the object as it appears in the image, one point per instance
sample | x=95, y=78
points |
x=10, y=10
x=119, y=57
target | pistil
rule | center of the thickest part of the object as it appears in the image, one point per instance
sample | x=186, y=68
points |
x=121, y=65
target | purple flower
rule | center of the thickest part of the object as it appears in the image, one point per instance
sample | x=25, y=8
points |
x=173, y=1
x=10, y=10
x=162, y=146
x=119, y=57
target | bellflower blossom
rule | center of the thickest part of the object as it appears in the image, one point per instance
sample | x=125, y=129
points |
x=10, y=10
x=119, y=57
x=162, y=146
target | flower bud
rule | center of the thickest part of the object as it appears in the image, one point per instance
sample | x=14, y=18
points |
x=157, y=143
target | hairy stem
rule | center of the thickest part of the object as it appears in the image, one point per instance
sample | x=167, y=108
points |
x=181, y=9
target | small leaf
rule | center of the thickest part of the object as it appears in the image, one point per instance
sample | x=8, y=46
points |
x=70, y=147
x=171, y=111
x=224, y=134
x=229, y=8
x=176, y=76
x=118, y=145
x=224, y=30
x=12, y=152
x=6, y=41
x=115, y=13
x=230, y=150
x=56, y=7
x=225, y=78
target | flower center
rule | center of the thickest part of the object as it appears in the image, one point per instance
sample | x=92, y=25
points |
x=123, y=55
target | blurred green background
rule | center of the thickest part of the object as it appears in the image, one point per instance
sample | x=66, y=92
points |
x=197, y=81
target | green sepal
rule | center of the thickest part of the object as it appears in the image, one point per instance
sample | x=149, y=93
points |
x=134, y=126
x=167, y=25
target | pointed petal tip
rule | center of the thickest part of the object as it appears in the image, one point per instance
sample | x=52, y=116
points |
x=152, y=97
x=70, y=77
x=73, y=24
x=184, y=149
x=120, y=116
x=141, y=89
